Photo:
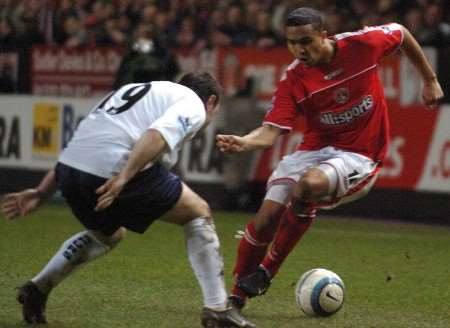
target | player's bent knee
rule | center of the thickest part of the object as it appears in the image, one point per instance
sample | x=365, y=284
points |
x=112, y=240
x=204, y=209
x=192, y=205
x=118, y=236
x=203, y=226
x=310, y=188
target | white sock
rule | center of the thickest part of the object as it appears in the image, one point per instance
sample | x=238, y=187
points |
x=75, y=251
x=206, y=261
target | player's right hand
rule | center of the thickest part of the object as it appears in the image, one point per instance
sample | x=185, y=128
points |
x=20, y=203
x=432, y=93
x=108, y=192
x=230, y=143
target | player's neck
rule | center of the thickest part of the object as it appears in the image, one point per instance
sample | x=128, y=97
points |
x=329, y=51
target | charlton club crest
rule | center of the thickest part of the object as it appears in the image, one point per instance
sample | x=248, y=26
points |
x=341, y=95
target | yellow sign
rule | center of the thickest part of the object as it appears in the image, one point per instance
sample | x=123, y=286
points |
x=45, y=129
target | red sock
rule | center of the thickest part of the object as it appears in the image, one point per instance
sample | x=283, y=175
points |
x=252, y=249
x=291, y=229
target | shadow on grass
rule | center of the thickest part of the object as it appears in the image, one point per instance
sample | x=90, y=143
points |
x=22, y=324
x=281, y=316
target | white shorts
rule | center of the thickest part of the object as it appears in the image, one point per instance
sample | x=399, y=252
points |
x=351, y=175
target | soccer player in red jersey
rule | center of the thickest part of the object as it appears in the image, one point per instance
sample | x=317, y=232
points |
x=333, y=83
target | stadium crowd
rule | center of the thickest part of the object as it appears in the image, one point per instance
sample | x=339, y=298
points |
x=203, y=23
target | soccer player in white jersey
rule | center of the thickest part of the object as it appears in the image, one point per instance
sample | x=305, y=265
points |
x=114, y=176
x=334, y=85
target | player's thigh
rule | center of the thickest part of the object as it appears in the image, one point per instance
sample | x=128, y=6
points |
x=189, y=206
x=347, y=170
x=284, y=180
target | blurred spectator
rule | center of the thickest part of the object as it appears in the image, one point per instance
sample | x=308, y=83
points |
x=73, y=33
x=335, y=23
x=65, y=10
x=164, y=28
x=82, y=8
x=8, y=9
x=436, y=32
x=125, y=24
x=7, y=83
x=7, y=34
x=215, y=37
x=235, y=28
x=147, y=60
x=413, y=21
x=263, y=36
x=27, y=25
x=124, y=7
x=101, y=11
x=199, y=23
x=149, y=13
x=109, y=34
x=185, y=35
x=251, y=13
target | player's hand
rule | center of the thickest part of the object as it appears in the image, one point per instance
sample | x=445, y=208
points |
x=230, y=143
x=432, y=93
x=109, y=191
x=20, y=203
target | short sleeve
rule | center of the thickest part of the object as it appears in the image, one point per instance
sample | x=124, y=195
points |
x=283, y=109
x=182, y=120
x=384, y=39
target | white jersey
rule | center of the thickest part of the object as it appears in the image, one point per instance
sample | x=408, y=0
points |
x=104, y=139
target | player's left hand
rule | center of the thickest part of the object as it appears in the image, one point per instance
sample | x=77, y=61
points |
x=109, y=191
x=432, y=93
x=20, y=203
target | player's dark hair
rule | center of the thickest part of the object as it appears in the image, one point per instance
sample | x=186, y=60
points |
x=304, y=16
x=203, y=84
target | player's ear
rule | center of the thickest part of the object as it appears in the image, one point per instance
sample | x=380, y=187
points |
x=211, y=103
x=324, y=34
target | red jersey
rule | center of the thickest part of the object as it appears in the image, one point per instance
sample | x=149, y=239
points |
x=343, y=101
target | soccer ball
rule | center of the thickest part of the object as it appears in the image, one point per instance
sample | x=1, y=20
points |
x=320, y=292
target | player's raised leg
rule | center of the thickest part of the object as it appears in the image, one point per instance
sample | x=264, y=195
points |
x=253, y=246
x=79, y=249
x=295, y=221
x=203, y=248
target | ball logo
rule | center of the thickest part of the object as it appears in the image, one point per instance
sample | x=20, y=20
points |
x=341, y=95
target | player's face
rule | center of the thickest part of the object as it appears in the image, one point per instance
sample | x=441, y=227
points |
x=212, y=107
x=306, y=44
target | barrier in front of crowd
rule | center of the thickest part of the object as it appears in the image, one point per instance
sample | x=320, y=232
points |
x=31, y=138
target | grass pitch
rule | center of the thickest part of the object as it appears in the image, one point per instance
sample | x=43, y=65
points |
x=396, y=274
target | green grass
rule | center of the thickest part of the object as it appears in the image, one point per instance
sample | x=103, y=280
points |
x=396, y=274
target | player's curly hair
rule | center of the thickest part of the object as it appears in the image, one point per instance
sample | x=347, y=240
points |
x=203, y=84
x=304, y=16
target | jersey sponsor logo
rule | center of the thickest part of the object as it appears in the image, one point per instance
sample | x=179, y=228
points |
x=350, y=114
x=341, y=95
x=333, y=74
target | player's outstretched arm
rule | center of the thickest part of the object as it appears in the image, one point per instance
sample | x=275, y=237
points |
x=23, y=202
x=432, y=92
x=260, y=138
x=148, y=148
